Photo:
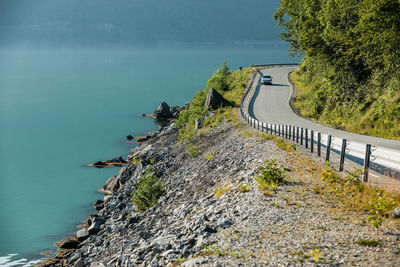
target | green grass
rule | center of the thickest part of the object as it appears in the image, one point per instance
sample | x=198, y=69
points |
x=222, y=190
x=355, y=196
x=244, y=187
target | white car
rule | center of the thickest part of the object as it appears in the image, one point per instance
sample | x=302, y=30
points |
x=266, y=79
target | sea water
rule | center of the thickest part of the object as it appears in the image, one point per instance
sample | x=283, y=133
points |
x=61, y=109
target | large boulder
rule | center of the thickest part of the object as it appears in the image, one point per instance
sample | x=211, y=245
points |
x=215, y=100
x=176, y=110
x=112, y=184
x=163, y=111
x=82, y=234
x=95, y=224
x=395, y=213
x=68, y=243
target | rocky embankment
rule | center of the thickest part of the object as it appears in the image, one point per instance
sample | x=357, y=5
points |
x=214, y=215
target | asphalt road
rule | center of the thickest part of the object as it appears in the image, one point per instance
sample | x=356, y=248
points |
x=270, y=104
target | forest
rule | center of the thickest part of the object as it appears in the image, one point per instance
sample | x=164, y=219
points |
x=349, y=77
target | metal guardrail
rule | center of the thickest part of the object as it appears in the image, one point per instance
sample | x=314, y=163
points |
x=381, y=159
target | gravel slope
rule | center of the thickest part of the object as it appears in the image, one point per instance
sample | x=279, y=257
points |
x=192, y=226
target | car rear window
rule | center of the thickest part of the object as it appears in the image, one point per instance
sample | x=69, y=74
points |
x=266, y=76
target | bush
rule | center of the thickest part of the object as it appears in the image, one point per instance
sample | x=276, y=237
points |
x=270, y=175
x=244, y=188
x=192, y=150
x=147, y=191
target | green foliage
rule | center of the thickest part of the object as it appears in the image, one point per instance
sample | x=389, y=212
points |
x=244, y=187
x=349, y=76
x=219, y=81
x=192, y=150
x=368, y=243
x=147, y=191
x=211, y=155
x=355, y=196
x=230, y=84
x=134, y=161
x=314, y=254
x=270, y=175
x=282, y=144
x=222, y=189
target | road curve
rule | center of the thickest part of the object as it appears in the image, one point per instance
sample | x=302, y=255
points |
x=270, y=104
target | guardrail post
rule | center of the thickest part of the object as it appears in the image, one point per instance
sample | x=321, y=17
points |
x=328, y=148
x=279, y=130
x=301, y=137
x=271, y=127
x=342, y=154
x=366, y=162
x=297, y=135
x=294, y=133
x=319, y=144
x=306, y=138
x=258, y=125
x=290, y=132
x=286, y=131
x=312, y=141
x=275, y=128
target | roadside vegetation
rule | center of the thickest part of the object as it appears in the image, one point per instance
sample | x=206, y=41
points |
x=270, y=176
x=231, y=85
x=349, y=76
x=355, y=196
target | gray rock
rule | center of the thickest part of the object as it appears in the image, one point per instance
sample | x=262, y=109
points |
x=195, y=262
x=215, y=100
x=95, y=225
x=175, y=110
x=198, y=123
x=79, y=263
x=209, y=114
x=97, y=264
x=69, y=243
x=224, y=223
x=395, y=213
x=163, y=111
x=82, y=234
x=112, y=184
x=99, y=204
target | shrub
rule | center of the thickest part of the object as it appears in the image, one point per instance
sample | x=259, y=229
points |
x=147, y=191
x=270, y=175
x=192, y=150
x=221, y=190
x=244, y=188
x=211, y=155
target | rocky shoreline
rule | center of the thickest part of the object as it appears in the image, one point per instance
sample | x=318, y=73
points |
x=214, y=215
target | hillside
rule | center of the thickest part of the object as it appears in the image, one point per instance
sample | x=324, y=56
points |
x=350, y=76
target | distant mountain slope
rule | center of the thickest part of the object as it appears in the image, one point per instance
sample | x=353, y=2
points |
x=136, y=21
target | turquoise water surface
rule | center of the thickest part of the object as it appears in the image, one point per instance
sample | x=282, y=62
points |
x=61, y=109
